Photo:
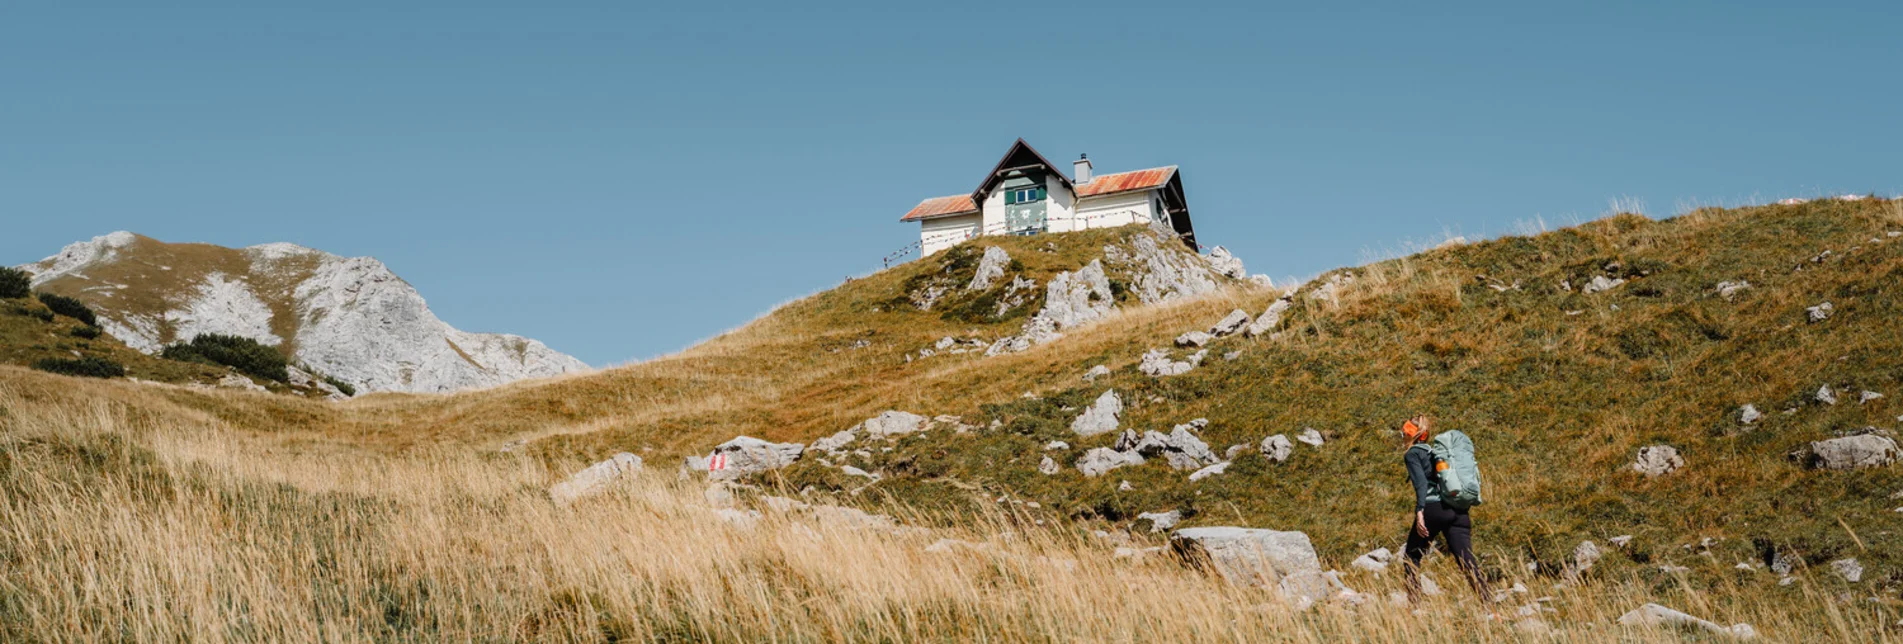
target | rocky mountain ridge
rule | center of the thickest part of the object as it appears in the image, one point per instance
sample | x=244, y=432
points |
x=347, y=317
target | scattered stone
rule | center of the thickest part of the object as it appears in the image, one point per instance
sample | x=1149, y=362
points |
x=1207, y=472
x=836, y=441
x=1270, y=317
x=1056, y=445
x=1658, y=460
x=1728, y=289
x=1157, y=364
x=1601, y=283
x=1783, y=563
x=1825, y=395
x=1230, y=324
x=990, y=268
x=1656, y=615
x=1193, y=339
x=893, y=423
x=1310, y=436
x=1232, y=355
x=1124, y=486
x=1820, y=312
x=1621, y=540
x=1098, y=460
x=1671, y=569
x=745, y=455
x=849, y=470
x=1234, y=451
x=1048, y=466
x=1749, y=414
x=1584, y=556
x=1101, y=417
x=595, y=479
x=1226, y=264
x=1849, y=452
x=1161, y=521
x=1096, y=372
x=1375, y=561
x=1746, y=567
x=1848, y=568
x=1253, y=557
x=1277, y=448
x=1868, y=396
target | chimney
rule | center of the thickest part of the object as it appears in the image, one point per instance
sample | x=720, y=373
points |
x=1081, y=169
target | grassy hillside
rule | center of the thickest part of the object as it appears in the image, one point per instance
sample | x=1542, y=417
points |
x=1559, y=387
x=31, y=333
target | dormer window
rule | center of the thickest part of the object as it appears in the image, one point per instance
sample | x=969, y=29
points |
x=1024, y=195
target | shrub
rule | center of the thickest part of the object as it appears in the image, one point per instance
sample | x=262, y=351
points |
x=244, y=354
x=88, y=367
x=14, y=283
x=341, y=386
x=69, y=307
x=88, y=332
x=42, y=314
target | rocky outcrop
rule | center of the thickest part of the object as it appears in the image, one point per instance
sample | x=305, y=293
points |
x=990, y=269
x=742, y=456
x=1098, y=460
x=349, y=318
x=1161, y=521
x=1849, y=452
x=1230, y=324
x=1071, y=300
x=1277, y=448
x=1657, y=460
x=1193, y=339
x=1156, y=363
x=1096, y=372
x=595, y=479
x=1225, y=264
x=1162, y=271
x=1101, y=416
x=1207, y=472
x=1181, y=448
x=892, y=423
x=1270, y=317
x=1254, y=557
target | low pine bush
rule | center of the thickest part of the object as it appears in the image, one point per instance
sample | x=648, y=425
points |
x=69, y=307
x=342, y=386
x=244, y=354
x=88, y=332
x=14, y=283
x=88, y=367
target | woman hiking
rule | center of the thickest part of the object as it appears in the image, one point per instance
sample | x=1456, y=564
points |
x=1431, y=516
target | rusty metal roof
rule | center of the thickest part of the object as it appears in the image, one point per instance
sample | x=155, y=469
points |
x=1126, y=181
x=941, y=207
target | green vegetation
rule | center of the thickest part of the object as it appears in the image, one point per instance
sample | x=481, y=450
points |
x=14, y=283
x=68, y=307
x=88, y=367
x=88, y=332
x=243, y=354
x=347, y=388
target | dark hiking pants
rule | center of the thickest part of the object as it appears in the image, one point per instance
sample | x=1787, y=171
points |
x=1458, y=528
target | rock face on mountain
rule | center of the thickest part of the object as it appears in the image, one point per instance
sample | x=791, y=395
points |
x=347, y=317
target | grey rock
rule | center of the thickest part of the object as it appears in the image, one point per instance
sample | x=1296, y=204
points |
x=1848, y=568
x=1164, y=271
x=1851, y=452
x=1098, y=460
x=1193, y=339
x=1048, y=466
x=1728, y=289
x=1658, y=460
x=1071, y=300
x=1375, y=561
x=238, y=381
x=1181, y=448
x=1825, y=395
x=1310, y=436
x=1101, y=417
x=1207, y=472
x=1230, y=324
x=1232, y=355
x=1601, y=283
x=1749, y=414
x=893, y=423
x=1226, y=264
x=1584, y=556
x=1270, y=317
x=1783, y=563
x=1056, y=445
x=1161, y=521
x=1234, y=451
x=1277, y=448
x=1254, y=557
x=1868, y=396
x=595, y=479
x=1096, y=372
x=1157, y=364
x=1124, y=486
x=1261, y=281
x=1621, y=540
x=990, y=268
x=1656, y=615
x=835, y=442
x=746, y=455
x=1820, y=312
x=849, y=470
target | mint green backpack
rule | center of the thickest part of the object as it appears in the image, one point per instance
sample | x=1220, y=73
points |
x=1456, y=470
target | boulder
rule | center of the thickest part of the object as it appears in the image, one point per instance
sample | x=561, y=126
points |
x=595, y=479
x=1848, y=568
x=990, y=268
x=1161, y=270
x=1101, y=416
x=1375, y=561
x=1601, y=283
x=1207, y=472
x=1193, y=339
x=893, y=423
x=1868, y=396
x=1850, y=452
x=746, y=455
x=1270, y=317
x=237, y=381
x=1310, y=436
x=1277, y=448
x=1254, y=557
x=849, y=470
x=1728, y=289
x=1584, y=556
x=1658, y=460
x=1161, y=521
x=1825, y=395
x=1098, y=460
x=1656, y=615
x=1749, y=414
x=1820, y=312
x=835, y=442
x=1048, y=466
x=1226, y=264
x=1056, y=445
x=1230, y=324
x=1096, y=372
x=1157, y=364
x=1234, y=451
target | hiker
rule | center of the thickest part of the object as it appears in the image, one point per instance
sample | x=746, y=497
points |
x=1433, y=515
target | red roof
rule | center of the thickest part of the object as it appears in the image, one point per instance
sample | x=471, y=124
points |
x=1126, y=181
x=940, y=207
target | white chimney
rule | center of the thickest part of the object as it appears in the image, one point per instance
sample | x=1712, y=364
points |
x=1081, y=169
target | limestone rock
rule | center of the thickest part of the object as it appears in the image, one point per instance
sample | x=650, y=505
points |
x=893, y=423
x=1180, y=447
x=1728, y=289
x=1261, y=281
x=1048, y=466
x=1621, y=540
x=1868, y=396
x=1656, y=615
x=990, y=268
x=1277, y=448
x=1207, y=472
x=1161, y=521
x=1098, y=460
x=1193, y=339
x=1071, y=300
x=1658, y=460
x=1375, y=561
x=238, y=381
x=1056, y=445
x=1820, y=312
x=1749, y=414
x=1848, y=568
x=1310, y=436
x=1226, y=264
x=1825, y=395
x=1230, y=324
x=836, y=442
x=1232, y=355
x=1163, y=270
x=1254, y=557
x=1096, y=372
x=746, y=455
x=595, y=479
x=1584, y=556
x=1851, y=452
x=1156, y=363
x=1101, y=416
x=1270, y=317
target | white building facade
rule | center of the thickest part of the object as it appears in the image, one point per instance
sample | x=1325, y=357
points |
x=1025, y=194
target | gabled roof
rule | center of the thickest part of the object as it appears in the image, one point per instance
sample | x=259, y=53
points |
x=1126, y=181
x=1020, y=155
x=941, y=207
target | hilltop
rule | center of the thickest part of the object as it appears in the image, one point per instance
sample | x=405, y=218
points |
x=349, y=318
x=1564, y=354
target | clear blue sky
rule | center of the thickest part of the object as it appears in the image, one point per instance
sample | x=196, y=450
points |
x=621, y=180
